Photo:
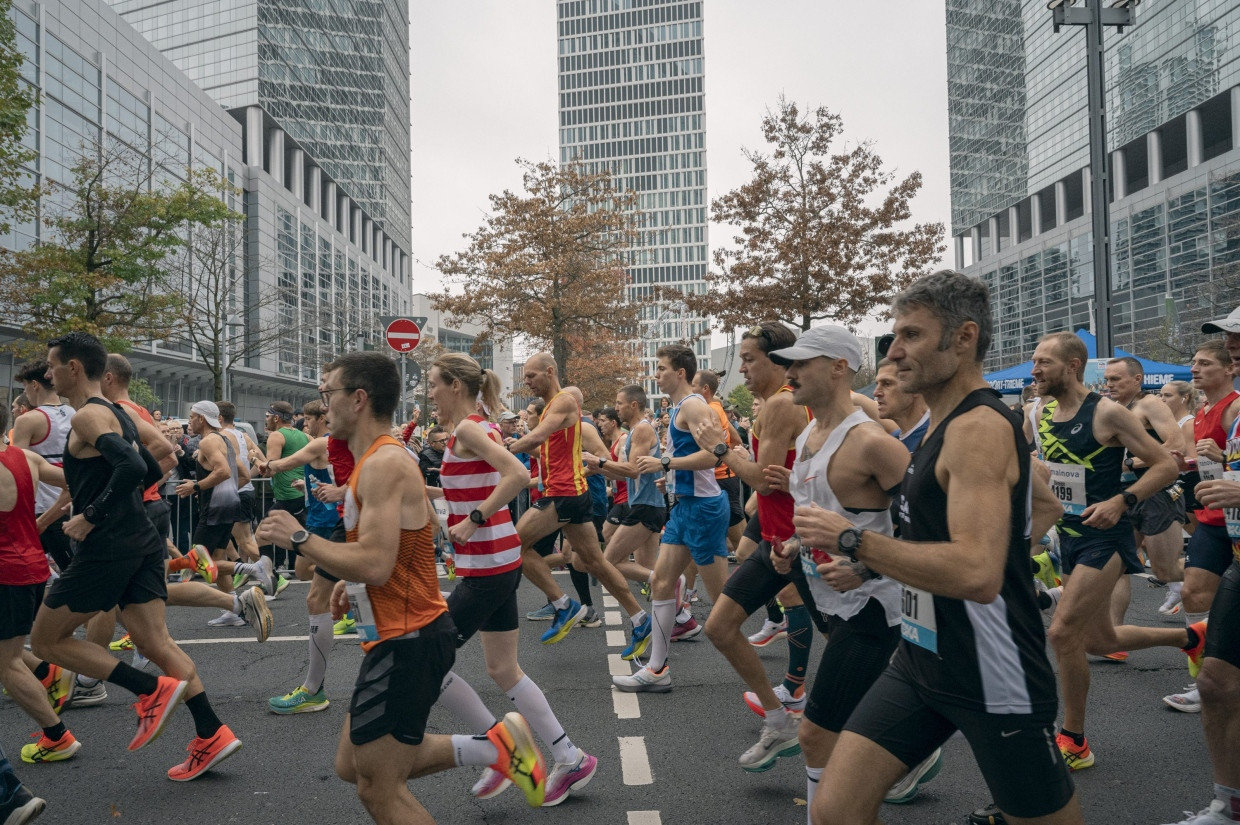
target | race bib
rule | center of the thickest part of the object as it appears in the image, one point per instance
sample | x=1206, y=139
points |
x=1068, y=485
x=917, y=622
x=363, y=613
x=1209, y=469
x=441, y=510
x=1232, y=513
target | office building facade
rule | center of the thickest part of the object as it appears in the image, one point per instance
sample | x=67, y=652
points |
x=631, y=103
x=1019, y=138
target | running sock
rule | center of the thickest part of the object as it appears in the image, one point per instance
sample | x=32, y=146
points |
x=812, y=775
x=638, y=617
x=42, y=670
x=1078, y=739
x=460, y=699
x=561, y=602
x=581, y=583
x=532, y=704
x=133, y=680
x=664, y=611
x=683, y=616
x=777, y=717
x=774, y=612
x=1191, y=619
x=476, y=751
x=1175, y=587
x=206, y=723
x=236, y=608
x=800, y=640
x=321, y=637
x=1230, y=797
x=247, y=568
x=56, y=731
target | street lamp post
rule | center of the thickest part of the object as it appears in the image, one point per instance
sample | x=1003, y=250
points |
x=1094, y=17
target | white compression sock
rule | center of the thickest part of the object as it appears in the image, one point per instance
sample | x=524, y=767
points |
x=812, y=775
x=320, y=640
x=532, y=704
x=473, y=750
x=461, y=700
x=1175, y=587
x=664, y=621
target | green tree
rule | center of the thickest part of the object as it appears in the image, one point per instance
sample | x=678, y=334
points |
x=742, y=399
x=18, y=193
x=141, y=393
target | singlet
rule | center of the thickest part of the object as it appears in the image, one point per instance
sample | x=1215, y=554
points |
x=1231, y=457
x=319, y=513
x=151, y=493
x=809, y=484
x=560, y=458
x=1208, y=423
x=243, y=454
x=689, y=483
x=912, y=439
x=622, y=489
x=596, y=483
x=775, y=508
x=341, y=459
x=1083, y=472
x=52, y=448
x=282, y=488
x=723, y=470
x=410, y=599
x=127, y=533
x=1135, y=473
x=990, y=657
x=643, y=489
x=467, y=482
x=21, y=553
x=230, y=515
x=1188, y=417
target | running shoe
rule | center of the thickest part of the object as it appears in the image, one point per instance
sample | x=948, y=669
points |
x=906, y=789
x=154, y=709
x=565, y=778
x=1117, y=656
x=691, y=596
x=22, y=807
x=45, y=750
x=990, y=815
x=1187, y=702
x=775, y=741
x=123, y=643
x=84, y=696
x=686, y=630
x=205, y=754
x=1216, y=814
x=1172, y=605
x=592, y=618
x=59, y=686
x=1045, y=571
x=795, y=707
x=543, y=614
x=256, y=613
x=564, y=621
x=266, y=575
x=491, y=783
x=770, y=632
x=299, y=701
x=1196, y=652
x=645, y=680
x=344, y=627
x=281, y=583
x=227, y=619
x=520, y=761
x=639, y=641
x=1078, y=757
x=645, y=590
x=239, y=579
x=202, y=563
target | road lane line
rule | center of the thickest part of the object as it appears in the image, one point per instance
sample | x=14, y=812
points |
x=616, y=638
x=634, y=763
x=612, y=617
x=236, y=640
x=618, y=666
x=644, y=818
x=610, y=601
x=625, y=705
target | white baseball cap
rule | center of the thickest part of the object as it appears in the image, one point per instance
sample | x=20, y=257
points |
x=209, y=411
x=1229, y=324
x=828, y=341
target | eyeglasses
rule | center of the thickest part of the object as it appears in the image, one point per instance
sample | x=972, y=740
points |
x=326, y=395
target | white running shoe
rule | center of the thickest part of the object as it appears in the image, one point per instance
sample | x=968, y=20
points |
x=775, y=741
x=1188, y=702
x=645, y=681
x=491, y=783
x=794, y=706
x=1171, y=606
x=227, y=619
x=1213, y=815
x=770, y=632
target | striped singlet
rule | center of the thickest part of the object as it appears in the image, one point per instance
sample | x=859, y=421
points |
x=560, y=458
x=467, y=482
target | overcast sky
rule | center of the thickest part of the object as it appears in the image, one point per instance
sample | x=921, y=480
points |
x=484, y=93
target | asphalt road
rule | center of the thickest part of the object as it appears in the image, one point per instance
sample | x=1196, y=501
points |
x=663, y=759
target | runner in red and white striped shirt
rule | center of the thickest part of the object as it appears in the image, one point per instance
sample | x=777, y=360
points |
x=479, y=478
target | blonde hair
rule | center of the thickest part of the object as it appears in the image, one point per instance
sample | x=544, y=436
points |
x=483, y=384
x=1186, y=393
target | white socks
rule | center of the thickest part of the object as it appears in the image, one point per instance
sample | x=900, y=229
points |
x=473, y=750
x=561, y=602
x=812, y=775
x=532, y=704
x=460, y=699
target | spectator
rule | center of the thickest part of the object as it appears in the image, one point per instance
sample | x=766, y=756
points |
x=431, y=456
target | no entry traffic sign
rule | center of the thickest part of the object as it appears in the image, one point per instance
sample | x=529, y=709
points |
x=403, y=334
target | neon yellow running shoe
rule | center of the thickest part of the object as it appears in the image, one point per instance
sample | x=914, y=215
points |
x=344, y=627
x=520, y=761
x=123, y=643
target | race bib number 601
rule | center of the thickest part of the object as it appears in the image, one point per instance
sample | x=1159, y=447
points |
x=917, y=621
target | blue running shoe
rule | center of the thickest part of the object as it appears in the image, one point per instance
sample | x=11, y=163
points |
x=564, y=621
x=640, y=641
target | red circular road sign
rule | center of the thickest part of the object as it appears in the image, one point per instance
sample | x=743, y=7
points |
x=402, y=334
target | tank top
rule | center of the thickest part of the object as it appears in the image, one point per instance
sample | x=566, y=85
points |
x=643, y=489
x=689, y=483
x=410, y=599
x=495, y=547
x=1188, y=417
x=1083, y=471
x=775, y=508
x=560, y=458
x=723, y=470
x=1208, y=423
x=282, y=488
x=986, y=657
x=52, y=448
x=151, y=493
x=21, y=553
x=622, y=489
x=319, y=513
x=226, y=515
x=243, y=454
x=809, y=484
x=341, y=459
x=127, y=533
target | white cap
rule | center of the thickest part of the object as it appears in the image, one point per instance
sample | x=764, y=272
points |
x=209, y=411
x=828, y=341
x=1229, y=324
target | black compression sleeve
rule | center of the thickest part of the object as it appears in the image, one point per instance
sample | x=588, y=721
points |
x=128, y=470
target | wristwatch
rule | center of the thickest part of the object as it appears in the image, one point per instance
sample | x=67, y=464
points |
x=298, y=539
x=1129, y=463
x=197, y=487
x=666, y=461
x=601, y=462
x=91, y=515
x=1130, y=499
x=720, y=451
x=849, y=541
x=477, y=518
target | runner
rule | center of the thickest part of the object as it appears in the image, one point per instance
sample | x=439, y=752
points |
x=973, y=654
x=706, y=384
x=907, y=410
x=247, y=454
x=17, y=804
x=387, y=567
x=119, y=561
x=1181, y=399
x=282, y=441
x=45, y=430
x=696, y=527
x=565, y=504
x=1083, y=442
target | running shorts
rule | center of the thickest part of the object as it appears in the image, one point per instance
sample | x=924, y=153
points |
x=484, y=603
x=617, y=513
x=56, y=544
x=1159, y=513
x=756, y=582
x=1223, y=631
x=753, y=530
x=701, y=524
x=214, y=537
x=1209, y=548
x=18, y=605
x=647, y=515
x=736, y=508
x=857, y=652
x=160, y=515
x=246, y=515
x=569, y=509
x=1096, y=551
x=88, y=585
x=339, y=536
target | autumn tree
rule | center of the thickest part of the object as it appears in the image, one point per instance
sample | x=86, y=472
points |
x=822, y=230
x=601, y=365
x=548, y=265
x=18, y=193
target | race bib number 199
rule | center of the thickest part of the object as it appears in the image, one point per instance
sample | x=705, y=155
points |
x=1068, y=485
x=917, y=621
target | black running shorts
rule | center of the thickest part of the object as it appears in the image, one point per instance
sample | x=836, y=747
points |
x=1159, y=513
x=246, y=514
x=160, y=515
x=214, y=537
x=88, y=585
x=1223, y=631
x=756, y=581
x=1209, y=548
x=617, y=513
x=1096, y=551
x=56, y=544
x=486, y=603
x=647, y=515
x=339, y=536
x=569, y=509
x=18, y=604
x=753, y=530
x=399, y=682
x=857, y=652
x=736, y=508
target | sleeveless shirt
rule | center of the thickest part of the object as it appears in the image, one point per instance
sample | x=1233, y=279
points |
x=560, y=458
x=1208, y=423
x=1066, y=444
x=775, y=508
x=643, y=489
x=689, y=483
x=52, y=448
x=495, y=546
x=151, y=493
x=21, y=553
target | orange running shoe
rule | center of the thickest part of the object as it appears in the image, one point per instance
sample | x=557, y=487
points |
x=59, y=686
x=1196, y=652
x=1078, y=757
x=520, y=761
x=205, y=754
x=45, y=750
x=154, y=710
x=202, y=562
x=1117, y=656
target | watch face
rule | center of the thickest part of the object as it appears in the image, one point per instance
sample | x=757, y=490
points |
x=848, y=539
x=720, y=450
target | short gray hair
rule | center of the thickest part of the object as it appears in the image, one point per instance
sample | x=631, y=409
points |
x=954, y=299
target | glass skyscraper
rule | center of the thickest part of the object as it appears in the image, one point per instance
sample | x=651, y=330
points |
x=631, y=94
x=1019, y=140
